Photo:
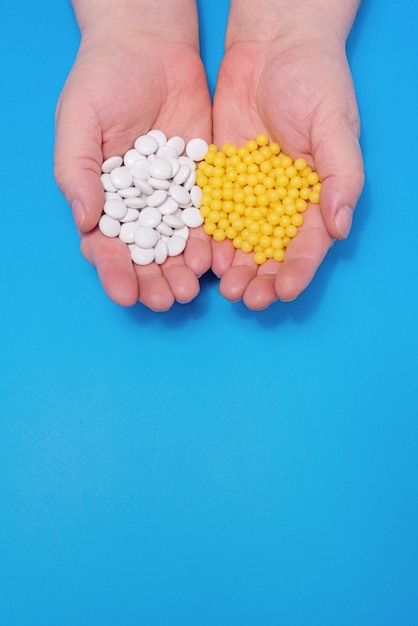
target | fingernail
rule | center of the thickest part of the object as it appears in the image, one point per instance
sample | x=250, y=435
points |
x=79, y=213
x=344, y=220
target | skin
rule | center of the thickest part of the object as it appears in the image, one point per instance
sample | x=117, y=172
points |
x=127, y=79
x=284, y=72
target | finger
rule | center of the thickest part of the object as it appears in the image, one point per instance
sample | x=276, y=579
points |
x=260, y=292
x=235, y=280
x=339, y=163
x=77, y=163
x=303, y=256
x=223, y=253
x=198, y=252
x=114, y=266
x=182, y=281
x=154, y=290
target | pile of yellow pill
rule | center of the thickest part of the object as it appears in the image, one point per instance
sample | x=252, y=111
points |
x=255, y=196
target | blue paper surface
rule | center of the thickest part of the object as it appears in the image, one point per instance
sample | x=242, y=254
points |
x=209, y=465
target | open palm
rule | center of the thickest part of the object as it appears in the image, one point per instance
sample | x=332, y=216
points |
x=115, y=93
x=303, y=98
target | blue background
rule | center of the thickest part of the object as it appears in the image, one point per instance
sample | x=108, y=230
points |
x=209, y=465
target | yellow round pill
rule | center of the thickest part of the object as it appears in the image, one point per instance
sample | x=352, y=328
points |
x=260, y=258
x=218, y=234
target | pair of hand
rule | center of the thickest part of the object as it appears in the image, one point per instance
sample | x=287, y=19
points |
x=301, y=95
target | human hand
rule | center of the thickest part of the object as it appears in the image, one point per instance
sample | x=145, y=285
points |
x=126, y=80
x=299, y=90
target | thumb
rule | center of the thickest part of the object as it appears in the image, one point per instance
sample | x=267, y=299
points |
x=340, y=167
x=77, y=164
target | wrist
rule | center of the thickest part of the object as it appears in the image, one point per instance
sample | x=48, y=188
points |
x=266, y=21
x=121, y=20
